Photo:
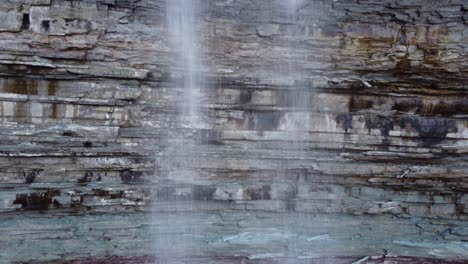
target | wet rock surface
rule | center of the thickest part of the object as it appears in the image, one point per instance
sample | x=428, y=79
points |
x=233, y=260
x=87, y=100
x=229, y=236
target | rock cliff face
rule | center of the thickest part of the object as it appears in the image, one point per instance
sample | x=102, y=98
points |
x=88, y=97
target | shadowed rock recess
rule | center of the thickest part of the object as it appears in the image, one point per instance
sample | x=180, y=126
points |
x=87, y=99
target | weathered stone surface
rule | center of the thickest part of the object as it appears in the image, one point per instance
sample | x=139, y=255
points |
x=258, y=237
x=87, y=99
x=11, y=21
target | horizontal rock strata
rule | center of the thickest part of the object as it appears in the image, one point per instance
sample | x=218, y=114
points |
x=230, y=235
x=88, y=101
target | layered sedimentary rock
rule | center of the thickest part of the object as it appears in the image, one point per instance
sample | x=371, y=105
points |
x=87, y=99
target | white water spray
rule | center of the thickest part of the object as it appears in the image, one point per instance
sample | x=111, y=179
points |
x=180, y=142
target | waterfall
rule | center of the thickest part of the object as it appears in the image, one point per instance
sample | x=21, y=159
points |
x=298, y=102
x=182, y=24
x=177, y=238
x=180, y=141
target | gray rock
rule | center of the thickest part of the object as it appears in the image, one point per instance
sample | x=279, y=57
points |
x=89, y=105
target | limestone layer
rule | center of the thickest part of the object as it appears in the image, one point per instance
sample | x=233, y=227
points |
x=89, y=99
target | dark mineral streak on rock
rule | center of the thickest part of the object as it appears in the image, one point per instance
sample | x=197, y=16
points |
x=431, y=130
x=345, y=121
x=384, y=124
x=26, y=22
x=87, y=95
x=245, y=96
x=409, y=104
x=45, y=24
x=210, y=136
x=37, y=201
x=359, y=103
x=31, y=176
x=87, y=177
x=261, y=121
x=131, y=177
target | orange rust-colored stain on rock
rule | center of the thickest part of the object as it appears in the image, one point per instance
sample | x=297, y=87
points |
x=427, y=106
x=433, y=44
x=415, y=35
x=54, y=113
x=22, y=112
x=404, y=65
x=223, y=39
x=447, y=107
x=51, y=88
x=433, y=57
x=18, y=86
x=437, y=35
x=365, y=39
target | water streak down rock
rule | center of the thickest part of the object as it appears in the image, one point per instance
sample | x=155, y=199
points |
x=90, y=100
x=180, y=149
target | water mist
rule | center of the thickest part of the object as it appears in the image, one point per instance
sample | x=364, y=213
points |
x=180, y=142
